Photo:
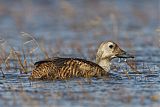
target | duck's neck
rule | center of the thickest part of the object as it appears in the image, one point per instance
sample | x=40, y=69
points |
x=105, y=64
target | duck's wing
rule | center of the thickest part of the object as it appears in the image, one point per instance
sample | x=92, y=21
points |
x=66, y=67
x=42, y=69
x=86, y=68
x=36, y=64
x=76, y=67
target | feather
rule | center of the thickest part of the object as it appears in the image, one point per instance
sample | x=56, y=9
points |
x=63, y=68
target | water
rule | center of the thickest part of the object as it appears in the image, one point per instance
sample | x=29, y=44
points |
x=75, y=29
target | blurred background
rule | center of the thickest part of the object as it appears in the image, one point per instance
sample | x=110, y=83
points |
x=81, y=20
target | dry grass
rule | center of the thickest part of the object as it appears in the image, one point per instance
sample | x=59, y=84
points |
x=21, y=56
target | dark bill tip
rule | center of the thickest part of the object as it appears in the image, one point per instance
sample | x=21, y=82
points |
x=125, y=55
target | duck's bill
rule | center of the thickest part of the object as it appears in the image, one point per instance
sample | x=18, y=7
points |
x=125, y=55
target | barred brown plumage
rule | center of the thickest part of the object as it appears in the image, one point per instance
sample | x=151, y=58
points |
x=64, y=68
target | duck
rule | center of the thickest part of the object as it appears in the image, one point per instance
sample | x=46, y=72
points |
x=59, y=68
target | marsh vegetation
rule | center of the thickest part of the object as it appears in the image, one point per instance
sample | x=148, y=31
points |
x=34, y=30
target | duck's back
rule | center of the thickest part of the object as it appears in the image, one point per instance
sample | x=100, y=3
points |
x=63, y=68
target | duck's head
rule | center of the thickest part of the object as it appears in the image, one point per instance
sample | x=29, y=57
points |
x=109, y=50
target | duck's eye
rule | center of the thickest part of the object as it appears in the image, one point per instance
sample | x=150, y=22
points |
x=110, y=46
